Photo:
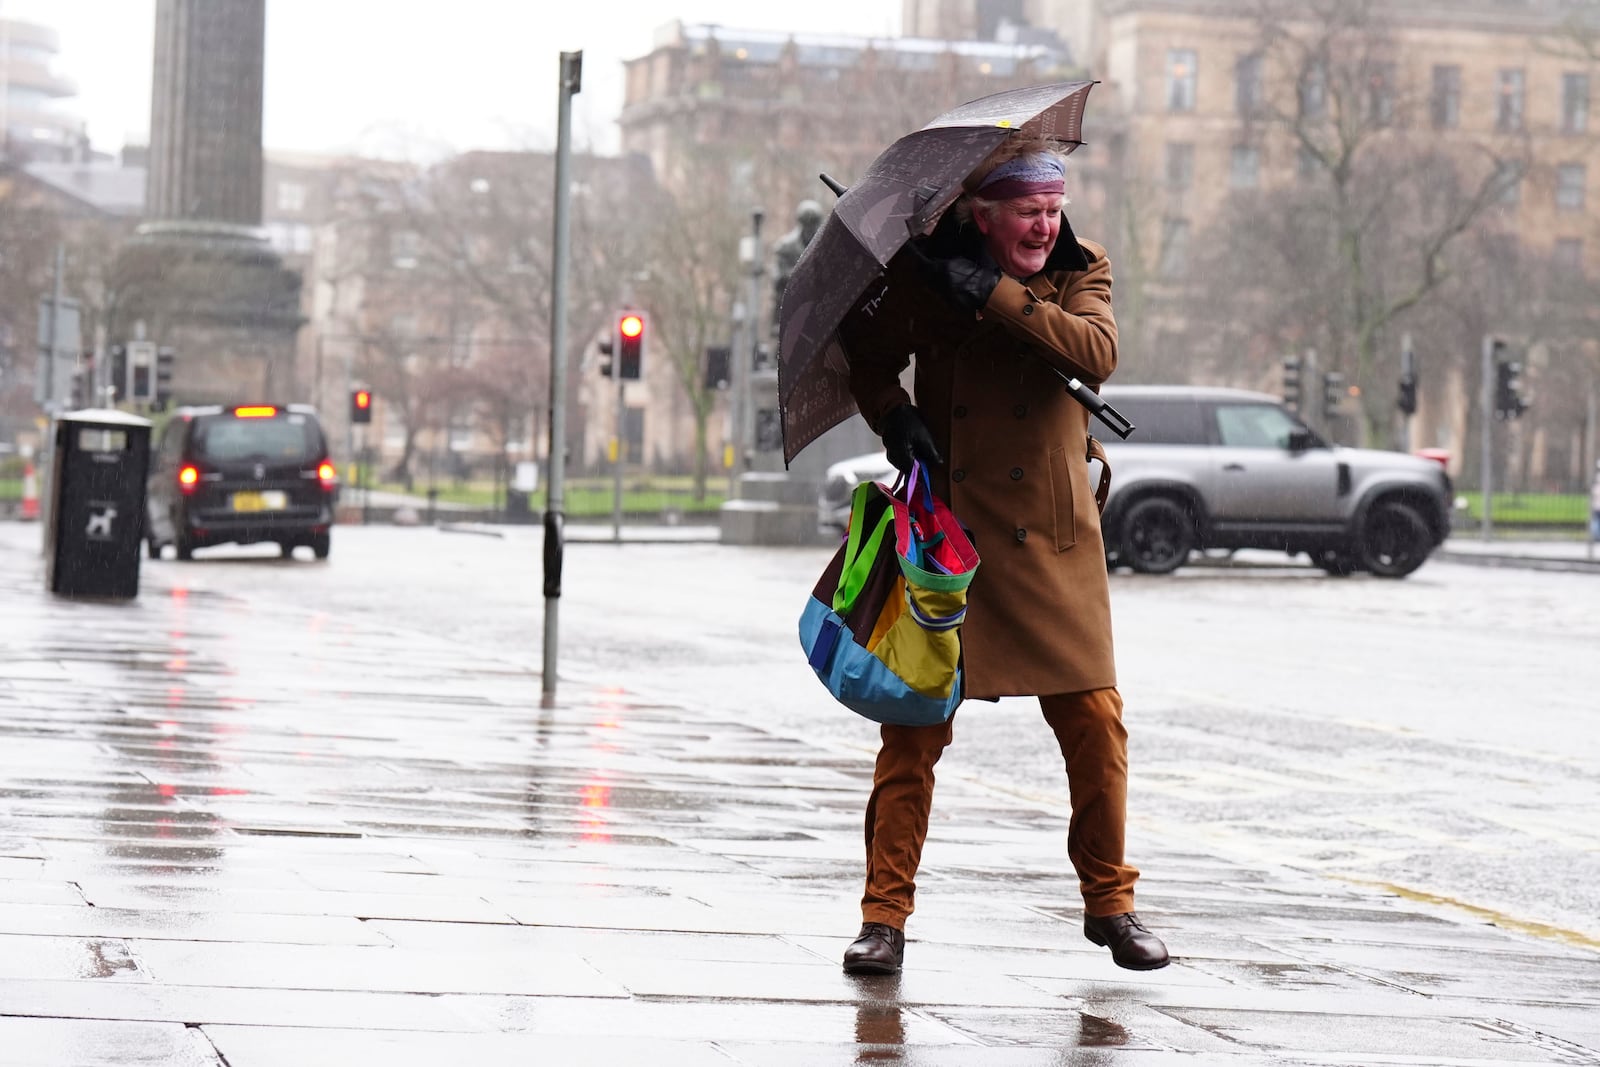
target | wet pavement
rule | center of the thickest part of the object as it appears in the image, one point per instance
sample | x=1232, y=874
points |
x=238, y=831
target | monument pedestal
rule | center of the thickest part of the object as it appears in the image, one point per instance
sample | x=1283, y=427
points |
x=220, y=296
x=777, y=506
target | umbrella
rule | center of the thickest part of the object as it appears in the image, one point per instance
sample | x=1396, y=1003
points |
x=904, y=192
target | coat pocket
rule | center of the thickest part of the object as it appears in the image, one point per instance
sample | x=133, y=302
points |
x=1066, y=522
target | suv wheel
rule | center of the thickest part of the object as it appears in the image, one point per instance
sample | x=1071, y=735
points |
x=1157, y=536
x=152, y=548
x=184, y=547
x=1394, y=540
x=321, y=544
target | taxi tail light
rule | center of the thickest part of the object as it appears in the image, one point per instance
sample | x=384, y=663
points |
x=327, y=475
x=188, y=478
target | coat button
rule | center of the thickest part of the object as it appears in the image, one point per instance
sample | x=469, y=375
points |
x=958, y=475
x=1022, y=535
x=1016, y=474
x=1027, y=309
x=1020, y=411
x=960, y=411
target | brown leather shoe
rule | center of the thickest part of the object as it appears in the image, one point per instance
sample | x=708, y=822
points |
x=877, y=949
x=1132, y=946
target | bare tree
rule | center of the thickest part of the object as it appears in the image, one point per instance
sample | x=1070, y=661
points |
x=1372, y=225
x=484, y=222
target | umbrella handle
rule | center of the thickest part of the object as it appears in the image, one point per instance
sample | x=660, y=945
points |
x=1098, y=408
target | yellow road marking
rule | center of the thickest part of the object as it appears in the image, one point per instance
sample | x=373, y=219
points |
x=1498, y=918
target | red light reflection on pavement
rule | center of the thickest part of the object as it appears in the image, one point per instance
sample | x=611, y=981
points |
x=595, y=798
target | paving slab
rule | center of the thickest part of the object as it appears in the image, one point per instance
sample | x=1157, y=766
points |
x=28, y=1042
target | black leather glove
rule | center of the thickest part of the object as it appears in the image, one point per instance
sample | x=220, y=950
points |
x=906, y=438
x=965, y=282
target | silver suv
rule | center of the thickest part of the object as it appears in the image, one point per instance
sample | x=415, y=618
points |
x=1223, y=468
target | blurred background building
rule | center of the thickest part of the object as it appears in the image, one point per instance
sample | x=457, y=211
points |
x=36, y=122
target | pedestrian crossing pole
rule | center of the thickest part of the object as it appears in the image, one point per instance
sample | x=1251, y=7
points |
x=571, y=82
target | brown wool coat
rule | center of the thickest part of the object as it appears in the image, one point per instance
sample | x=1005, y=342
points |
x=1014, y=444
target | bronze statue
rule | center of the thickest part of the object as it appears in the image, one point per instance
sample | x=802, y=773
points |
x=786, y=252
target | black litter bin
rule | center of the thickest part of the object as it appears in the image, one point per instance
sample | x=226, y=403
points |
x=96, y=504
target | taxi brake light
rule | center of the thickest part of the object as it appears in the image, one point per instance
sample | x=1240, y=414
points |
x=327, y=474
x=188, y=478
x=259, y=412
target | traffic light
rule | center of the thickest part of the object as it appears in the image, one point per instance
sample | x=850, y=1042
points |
x=139, y=385
x=1407, y=400
x=82, y=386
x=719, y=367
x=360, y=405
x=119, y=371
x=1333, y=393
x=1291, y=383
x=608, y=350
x=1508, y=400
x=166, y=356
x=630, y=344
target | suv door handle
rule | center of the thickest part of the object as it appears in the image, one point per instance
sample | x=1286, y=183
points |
x=1233, y=466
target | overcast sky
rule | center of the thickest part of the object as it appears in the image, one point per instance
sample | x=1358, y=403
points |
x=416, y=77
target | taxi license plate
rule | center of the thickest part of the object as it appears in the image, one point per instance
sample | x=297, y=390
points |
x=271, y=500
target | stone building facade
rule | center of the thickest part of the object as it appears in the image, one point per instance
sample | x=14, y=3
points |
x=1496, y=83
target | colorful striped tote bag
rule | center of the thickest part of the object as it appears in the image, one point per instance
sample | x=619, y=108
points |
x=882, y=628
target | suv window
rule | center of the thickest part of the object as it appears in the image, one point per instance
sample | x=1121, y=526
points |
x=1163, y=421
x=1254, y=426
x=224, y=439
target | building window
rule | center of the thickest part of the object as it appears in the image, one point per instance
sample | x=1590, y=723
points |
x=1314, y=92
x=1509, y=88
x=1380, y=94
x=1246, y=170
x=1174, y=247
x=1568, y=254
x=1574, y=103
x=1247, y=91
x=1182, y=79
x=1571, y=180
x=1180, y=165
x=404, y=247
x=458, y=434
x=291, y=196
x=1509, y=178
x=1446, y=101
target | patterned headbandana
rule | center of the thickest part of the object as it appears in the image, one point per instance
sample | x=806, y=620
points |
x=1041, y=172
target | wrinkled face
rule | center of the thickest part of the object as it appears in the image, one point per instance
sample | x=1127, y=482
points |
x=1021, y=232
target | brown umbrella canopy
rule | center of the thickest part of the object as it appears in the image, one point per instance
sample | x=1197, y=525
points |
x=904, y=192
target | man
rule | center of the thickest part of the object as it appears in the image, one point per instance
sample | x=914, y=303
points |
x=1000, y=290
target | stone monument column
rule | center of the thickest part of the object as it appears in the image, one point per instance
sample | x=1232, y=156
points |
x=198, y=273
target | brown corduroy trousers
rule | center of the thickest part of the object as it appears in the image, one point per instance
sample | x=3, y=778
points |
x=1094, y=743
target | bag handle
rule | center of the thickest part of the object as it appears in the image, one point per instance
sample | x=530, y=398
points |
x=859, y=552
x=905, y=485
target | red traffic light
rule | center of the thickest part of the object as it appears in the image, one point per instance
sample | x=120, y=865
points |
x=363, y=399
x=631, y=326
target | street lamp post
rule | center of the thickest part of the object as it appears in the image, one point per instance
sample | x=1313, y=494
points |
x=743, y=420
